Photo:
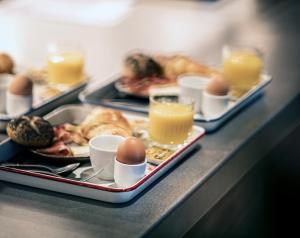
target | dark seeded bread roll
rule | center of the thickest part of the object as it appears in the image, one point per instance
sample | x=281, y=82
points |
x=30, y=131
x=139, y=66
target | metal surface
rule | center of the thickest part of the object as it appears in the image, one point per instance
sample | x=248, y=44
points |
x=166, y=209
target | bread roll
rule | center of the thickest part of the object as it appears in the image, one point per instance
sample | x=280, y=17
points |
x=31, y=131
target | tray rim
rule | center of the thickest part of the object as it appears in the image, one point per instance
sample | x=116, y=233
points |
x=267, y=78
x=101, y=187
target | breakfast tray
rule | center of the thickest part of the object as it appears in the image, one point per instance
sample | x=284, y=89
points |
x=45, y=106
x=73, y=184
x=107, y=94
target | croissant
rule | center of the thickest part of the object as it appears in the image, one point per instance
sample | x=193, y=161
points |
x=105, y=122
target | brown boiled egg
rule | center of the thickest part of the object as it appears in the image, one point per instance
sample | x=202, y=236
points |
x=218, y=86
x=6, y=63
x=21, y=85
x=131, y=151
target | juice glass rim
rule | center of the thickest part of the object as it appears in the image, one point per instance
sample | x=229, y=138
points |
x=240, y=47
x=190, y=102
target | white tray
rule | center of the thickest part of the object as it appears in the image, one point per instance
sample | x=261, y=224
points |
x=95, y=189
x=96, y=93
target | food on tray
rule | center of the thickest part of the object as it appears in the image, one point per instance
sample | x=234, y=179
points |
x=37, y=76
x=170, y=122
x=72, y=140
x=65, y=66
x=242, y=68
x=105, y=122
x=177, y=65
x=19, y=96
x=157, y=155
x=6, y=64
x=138, y=66
x=141, y=72
x=130, y=163
x=218, y=85
x=131, y=151
x=215, y=98
x=31, y=131
x=21, y=85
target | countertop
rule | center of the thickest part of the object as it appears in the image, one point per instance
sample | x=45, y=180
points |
x=173, y=204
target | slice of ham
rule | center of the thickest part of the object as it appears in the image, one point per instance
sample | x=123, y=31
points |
x=141, y=86
x=61, y=134
x=58, y=148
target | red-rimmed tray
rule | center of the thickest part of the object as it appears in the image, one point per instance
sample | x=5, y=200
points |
x=94, y=188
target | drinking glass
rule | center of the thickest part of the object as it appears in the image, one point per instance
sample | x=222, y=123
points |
x=65, y=65
x=170, y=119
x=242, y=68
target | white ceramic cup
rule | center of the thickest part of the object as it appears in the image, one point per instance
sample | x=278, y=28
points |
x=126, y=175
x=5, y=80
x=192, y=86
x=17, y=105
x=103, y=149
x=214, y=105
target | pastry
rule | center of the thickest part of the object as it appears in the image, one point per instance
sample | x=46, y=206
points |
x=105, y=122
x=31, y=131
x=6, y=64
x=179, y=64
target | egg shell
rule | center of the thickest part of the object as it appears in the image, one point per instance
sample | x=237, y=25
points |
x=218, y=86
x=21, y=85
x=6, y=63
x=131, y=151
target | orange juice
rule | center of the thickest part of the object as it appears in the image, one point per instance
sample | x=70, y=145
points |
x=242, y=69
x=170, y=123
x=66, y=68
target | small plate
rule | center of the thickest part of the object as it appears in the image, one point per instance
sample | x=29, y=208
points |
x=145, y=95
x=122, y=89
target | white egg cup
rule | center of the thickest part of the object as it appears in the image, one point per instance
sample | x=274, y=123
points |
x=103, y=149
x=126, y=175
x=214, y=105
x=17, y=105
x=5, y=80
x=192, y=86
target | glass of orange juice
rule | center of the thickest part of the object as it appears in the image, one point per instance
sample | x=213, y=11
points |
x=170, y=119
x=242, y=68
x=65, y=65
